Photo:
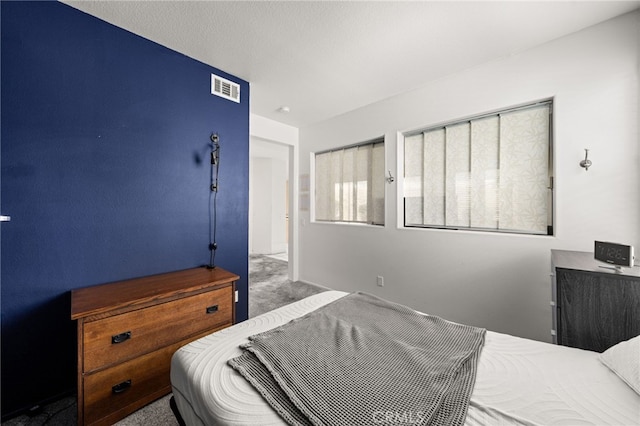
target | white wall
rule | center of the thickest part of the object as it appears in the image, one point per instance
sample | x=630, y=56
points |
x=500, y=282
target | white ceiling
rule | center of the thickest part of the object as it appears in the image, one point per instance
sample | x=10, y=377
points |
x=325, y=58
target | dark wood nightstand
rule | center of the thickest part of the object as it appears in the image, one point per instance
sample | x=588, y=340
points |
x=594, y=307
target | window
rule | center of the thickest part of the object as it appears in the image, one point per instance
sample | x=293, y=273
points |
x=349, y=184
x=489, y=173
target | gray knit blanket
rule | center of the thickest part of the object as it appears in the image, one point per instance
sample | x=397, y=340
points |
x=362, y=360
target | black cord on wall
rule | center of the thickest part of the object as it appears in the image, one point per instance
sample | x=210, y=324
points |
x=213, y=196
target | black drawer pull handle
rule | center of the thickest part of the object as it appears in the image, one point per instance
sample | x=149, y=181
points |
x=212, y=309
x=121, y=387
x=119, y=338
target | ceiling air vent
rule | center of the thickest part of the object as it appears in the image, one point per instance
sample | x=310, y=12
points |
x=225, y=88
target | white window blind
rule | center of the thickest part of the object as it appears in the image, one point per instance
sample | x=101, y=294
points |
x=488, y=173
x=349, y=184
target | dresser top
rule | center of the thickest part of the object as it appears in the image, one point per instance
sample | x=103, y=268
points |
x=584, y=261
x=142, y=291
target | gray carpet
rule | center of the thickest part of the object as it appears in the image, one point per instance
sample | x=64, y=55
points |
x=269, y=288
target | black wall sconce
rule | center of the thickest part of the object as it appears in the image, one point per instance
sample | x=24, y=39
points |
x=213, y=195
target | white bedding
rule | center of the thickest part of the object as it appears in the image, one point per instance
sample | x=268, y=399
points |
x=519, y=381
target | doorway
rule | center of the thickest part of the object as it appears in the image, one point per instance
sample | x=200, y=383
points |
x=269, y=195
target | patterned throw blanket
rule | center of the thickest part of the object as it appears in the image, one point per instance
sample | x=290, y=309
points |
x=362, y=360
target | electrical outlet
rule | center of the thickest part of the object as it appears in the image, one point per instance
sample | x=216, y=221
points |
x=380, y=281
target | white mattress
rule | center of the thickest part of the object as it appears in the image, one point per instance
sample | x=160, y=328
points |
x=519, y=381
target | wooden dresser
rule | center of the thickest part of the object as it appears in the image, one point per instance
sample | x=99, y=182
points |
x=593, y=307
x=128, y=331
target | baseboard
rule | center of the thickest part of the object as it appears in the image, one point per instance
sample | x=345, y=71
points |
x=315, y=285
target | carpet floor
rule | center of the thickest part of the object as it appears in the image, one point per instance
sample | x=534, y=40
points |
x=269, y=288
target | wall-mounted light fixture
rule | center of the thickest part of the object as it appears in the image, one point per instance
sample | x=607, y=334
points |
x=390, y=178
x=586, y=163
x=213, y=196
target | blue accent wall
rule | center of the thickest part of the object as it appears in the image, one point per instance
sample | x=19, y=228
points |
x=105, y=174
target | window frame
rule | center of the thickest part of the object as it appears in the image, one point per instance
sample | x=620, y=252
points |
x=551, y=201
x=313, y=201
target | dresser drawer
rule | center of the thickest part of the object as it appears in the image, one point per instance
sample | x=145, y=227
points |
x=119, y=389
x=121, y=337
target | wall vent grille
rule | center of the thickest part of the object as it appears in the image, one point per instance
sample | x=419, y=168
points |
x=225, y=88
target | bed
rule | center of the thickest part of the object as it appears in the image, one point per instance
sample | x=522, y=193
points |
x=518, y=381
